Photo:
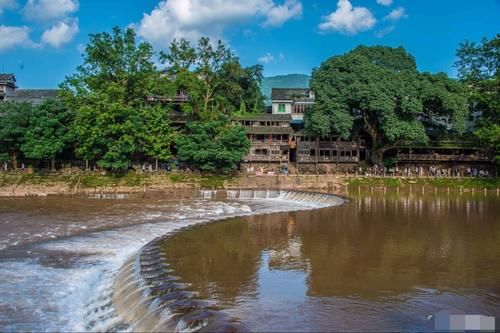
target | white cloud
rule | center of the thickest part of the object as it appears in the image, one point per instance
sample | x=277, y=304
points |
x=7, y=4
x=11, y=37
x=60, y=33
x=47, y=10
x=384, y=2
x=385, y=31
x=396, y=14
x=282, y=56
x=277, y=15
x=192, y=19
x=348, y=20
x=267, y=58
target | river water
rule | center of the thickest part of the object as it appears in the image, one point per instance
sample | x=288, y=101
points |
x=59, y=255
x=381, y=261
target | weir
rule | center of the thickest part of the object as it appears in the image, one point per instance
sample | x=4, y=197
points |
x=149, y=297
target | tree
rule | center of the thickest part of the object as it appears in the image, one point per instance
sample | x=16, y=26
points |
x=108, y=93
x=157, y=134
x=48, y=132
x=213, y=78
x=378, y=90
x=213, y=146
x=14, y=121
x=478, y=68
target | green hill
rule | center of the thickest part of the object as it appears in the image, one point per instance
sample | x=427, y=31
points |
x=283, y=81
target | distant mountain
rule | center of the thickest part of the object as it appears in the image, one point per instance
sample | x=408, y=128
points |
x=283, y=81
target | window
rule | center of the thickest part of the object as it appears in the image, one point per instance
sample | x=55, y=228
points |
x=281, y=108
x=262, y=152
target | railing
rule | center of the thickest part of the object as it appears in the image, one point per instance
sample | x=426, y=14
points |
x=266, y=158
x=325, y=159
x=439, y=157
x=269, y=142
x=332, y=145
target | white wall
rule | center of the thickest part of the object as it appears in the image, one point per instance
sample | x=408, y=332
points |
x=288, y=108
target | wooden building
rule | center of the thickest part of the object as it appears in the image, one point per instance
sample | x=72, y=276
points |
x=278, y=143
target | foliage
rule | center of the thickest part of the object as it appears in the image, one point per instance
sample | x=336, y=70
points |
x=213, y=78
x=478, y=68
x=48, y=132
x=213, y=146
x=108, y=95
x=489, y=137
x=15, y=119
x=156, y=134
x=378, y=89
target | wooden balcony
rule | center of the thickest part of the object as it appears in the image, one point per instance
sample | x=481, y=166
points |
x=325, y=159
x=326, y=145
x=266, y=158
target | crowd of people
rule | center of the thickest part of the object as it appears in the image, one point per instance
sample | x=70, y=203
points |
x=427, y=171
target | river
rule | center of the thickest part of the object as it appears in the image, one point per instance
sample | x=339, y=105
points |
x=382, y=261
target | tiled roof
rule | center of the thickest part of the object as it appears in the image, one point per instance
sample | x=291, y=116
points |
x=291, y=94
x=6, y=77
x=35, y=96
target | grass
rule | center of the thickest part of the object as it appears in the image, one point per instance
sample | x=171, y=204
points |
x=480, y=183
x=131, y=179
x=205, y=181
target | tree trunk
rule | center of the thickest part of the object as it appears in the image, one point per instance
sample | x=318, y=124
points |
x=377, y=156
x=14, y=161
x=86, y=165
x=52, y=164
x=156, y=161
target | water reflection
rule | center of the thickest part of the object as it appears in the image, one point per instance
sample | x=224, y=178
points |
x=381, y=261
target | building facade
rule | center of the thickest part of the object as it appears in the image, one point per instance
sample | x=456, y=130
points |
x=279, y=145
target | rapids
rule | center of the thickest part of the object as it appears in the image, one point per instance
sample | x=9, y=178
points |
x=74, y=264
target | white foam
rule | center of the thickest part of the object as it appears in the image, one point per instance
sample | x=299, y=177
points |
x=36, y=297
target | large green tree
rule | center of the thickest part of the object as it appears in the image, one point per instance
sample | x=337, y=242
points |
x=108, y=94
x=213, y=146
x=157, y=134
x=378, y=90
x=14, y=121
x=213, y=78
x=479, y=69
x=48, y=132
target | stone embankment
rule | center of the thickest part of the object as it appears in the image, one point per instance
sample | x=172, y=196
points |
x=19, y=185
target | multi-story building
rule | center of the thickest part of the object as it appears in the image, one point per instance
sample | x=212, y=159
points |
x=279, y=144
x=294, y=102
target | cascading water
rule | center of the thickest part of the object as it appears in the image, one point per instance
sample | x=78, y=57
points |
x=148, y=297
x=76, y=264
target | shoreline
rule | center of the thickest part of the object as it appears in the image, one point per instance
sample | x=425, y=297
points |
x=17, y=184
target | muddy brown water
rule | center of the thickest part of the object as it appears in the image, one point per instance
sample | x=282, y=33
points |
x=383, y=262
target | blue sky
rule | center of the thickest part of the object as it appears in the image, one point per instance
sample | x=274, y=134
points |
x=41, y=40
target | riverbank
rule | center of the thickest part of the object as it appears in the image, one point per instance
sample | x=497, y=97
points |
x=18, y=184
